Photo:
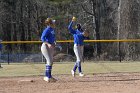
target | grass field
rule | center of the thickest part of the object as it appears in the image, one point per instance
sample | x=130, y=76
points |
x=100, y=77
x=30, y=69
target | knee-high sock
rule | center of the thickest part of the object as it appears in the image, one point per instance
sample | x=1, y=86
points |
x=48, y=71
x=75, y=67
x=79, y=66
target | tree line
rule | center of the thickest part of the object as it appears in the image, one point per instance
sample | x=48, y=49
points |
x=104, y=19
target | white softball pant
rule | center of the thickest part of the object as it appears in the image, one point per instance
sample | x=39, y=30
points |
x=47, y=53
x=78, y=50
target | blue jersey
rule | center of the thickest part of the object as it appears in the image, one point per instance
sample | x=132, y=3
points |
x=48, y=35
x=77, y=35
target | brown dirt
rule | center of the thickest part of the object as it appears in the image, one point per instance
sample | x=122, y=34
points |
x=97, y=83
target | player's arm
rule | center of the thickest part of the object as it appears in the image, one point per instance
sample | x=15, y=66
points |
x=71, y=25
x=44, y=35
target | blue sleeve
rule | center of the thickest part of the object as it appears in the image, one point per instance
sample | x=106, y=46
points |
x=71, y=29
x=44, y=35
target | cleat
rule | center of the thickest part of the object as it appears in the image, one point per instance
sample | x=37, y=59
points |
x=50, y=79
x=46, y=79
x=73, y=73
x=81, y=74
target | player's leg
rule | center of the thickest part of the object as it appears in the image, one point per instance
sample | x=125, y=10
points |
x=75, y=65
x=47, y=53
x=80, y=52
x=51, y=51
x=76, y=49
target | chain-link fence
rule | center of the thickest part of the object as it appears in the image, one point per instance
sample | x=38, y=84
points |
x=18, y=57
x=110, y=51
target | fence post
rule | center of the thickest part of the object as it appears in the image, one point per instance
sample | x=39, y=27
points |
x=0, y=59
x=8, y=59
x=120, y=59
x=0, y=65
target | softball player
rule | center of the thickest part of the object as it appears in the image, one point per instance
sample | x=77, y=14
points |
x=79, y=36
x=47, y=48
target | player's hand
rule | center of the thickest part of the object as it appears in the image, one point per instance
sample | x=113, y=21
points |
x=49, y=45
x=85, y=34
x=74, y=19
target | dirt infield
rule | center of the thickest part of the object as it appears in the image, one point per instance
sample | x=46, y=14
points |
x=97, y=83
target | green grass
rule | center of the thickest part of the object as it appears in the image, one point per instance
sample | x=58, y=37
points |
x=24, y=69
